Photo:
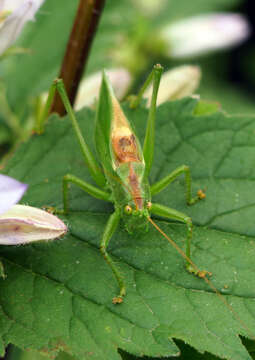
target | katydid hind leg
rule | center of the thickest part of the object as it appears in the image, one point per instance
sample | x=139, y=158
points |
x=88, y=157
x=164, y=211
x=41, y=120
x=109, y=230
x=136, y=99
x=163, y=183
x=148, y=145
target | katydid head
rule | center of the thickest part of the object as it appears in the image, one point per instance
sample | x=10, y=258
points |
x=135, y=219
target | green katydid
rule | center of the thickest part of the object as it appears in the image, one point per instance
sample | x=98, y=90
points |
x=124, y=180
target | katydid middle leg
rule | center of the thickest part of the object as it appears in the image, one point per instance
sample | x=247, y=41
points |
x=90, y=189
x=163, y=183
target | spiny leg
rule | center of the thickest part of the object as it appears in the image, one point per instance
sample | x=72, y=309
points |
x=155, y=74
x=89, y=159
x=163, y=183
x=90, y=189
x=173, y=214
x=42, y=118
x=110, y=228
x=148, y=145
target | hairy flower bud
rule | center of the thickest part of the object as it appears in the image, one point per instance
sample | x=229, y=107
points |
x=24, y=224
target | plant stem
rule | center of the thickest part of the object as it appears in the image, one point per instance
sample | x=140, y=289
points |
x=78, y=48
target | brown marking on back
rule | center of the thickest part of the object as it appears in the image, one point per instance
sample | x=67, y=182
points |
x=124, y=142
x=125, y=148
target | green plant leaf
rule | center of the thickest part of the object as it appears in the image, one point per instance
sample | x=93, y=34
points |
x=57, y=295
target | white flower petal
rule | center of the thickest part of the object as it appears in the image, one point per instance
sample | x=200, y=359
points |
x=205, y=33
x=10, y=5
x=14, y=23
x=90, y=86
x=24, y=224
x=11, y=192
x=176, y=83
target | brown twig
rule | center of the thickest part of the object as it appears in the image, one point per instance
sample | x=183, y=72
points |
x=78, y=48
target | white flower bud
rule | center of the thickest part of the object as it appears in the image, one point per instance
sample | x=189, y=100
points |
x=13, y=16
x=176, y=83
x=90, y=86
x=24, y=224
x=204, y=33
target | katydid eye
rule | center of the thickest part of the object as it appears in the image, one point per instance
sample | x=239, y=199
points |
x=128, y=209
x=149, y=204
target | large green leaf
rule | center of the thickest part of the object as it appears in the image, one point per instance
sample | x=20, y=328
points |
x=57, y=295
